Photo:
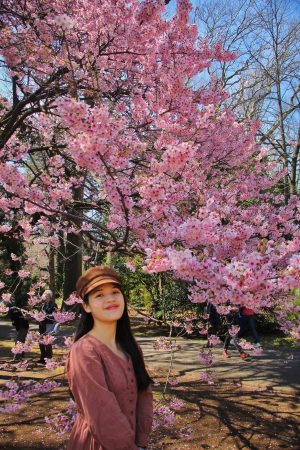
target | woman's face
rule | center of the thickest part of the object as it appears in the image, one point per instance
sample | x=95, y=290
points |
x=106, y=303
x=47, y=298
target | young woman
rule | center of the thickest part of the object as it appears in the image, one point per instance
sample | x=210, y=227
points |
x=106, y=370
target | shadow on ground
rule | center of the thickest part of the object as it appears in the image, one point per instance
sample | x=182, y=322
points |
x=253, y=404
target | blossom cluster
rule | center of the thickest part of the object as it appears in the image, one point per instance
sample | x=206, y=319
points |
x=15, y=394
x=206, y=357
x=64, y=316
x=163, y=343
x=163, y=416
x=73, y=299
x=62, y=423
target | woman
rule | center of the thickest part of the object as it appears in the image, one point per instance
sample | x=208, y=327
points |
x=47, y=325
x=106, y=370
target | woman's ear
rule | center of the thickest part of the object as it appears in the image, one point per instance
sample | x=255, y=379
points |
x=86, y=307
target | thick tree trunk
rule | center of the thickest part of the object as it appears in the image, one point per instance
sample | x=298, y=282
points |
x=60, y=263
x=73, y=254
x=73, y=263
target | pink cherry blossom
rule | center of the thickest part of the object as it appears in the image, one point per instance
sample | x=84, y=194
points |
x=10, y=408
x=163, y=343
x=205, y=357
x=63, y=316
x=176, y=404
x=163, y=416
x=23, y=273
x=20, y=347
x=73, y=299
x=214, y=340
x=52, y=365
x=39, y=316
x=5, y=228
x=22, y=366
x=246, y=345
x=208, y=376
x=47, y=339
x=6, y=297
x=62, y=423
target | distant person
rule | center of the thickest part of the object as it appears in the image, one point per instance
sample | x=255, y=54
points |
x=21, y=325
x=214, y=321
x=247, y=321
x=47, y=325
x=232, y=320
x=213, y=318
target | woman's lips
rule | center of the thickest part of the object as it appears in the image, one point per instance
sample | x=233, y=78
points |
x=112, y=307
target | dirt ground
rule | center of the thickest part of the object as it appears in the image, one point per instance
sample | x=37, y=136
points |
x=227, y=415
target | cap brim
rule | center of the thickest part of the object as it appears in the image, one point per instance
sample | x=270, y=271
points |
x=97, y=283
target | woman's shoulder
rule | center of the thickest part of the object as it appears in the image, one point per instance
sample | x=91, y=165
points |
x=86, y=346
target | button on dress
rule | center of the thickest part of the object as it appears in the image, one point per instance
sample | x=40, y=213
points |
x=112, y=413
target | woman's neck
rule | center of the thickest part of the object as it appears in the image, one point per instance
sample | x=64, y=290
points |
x=105, y=331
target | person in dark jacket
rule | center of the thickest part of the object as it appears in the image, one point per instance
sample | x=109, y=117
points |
x=47, y=324
x=21, y=325
x=247, y=321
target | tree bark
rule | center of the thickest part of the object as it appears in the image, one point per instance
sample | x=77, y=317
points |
x=73, y=263
x=73, y=254
x=60, y=263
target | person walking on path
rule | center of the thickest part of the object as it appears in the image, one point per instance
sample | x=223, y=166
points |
x=21, y=325
x=46, y=326
x=247, y=320
x=232, y=322
x=106, y=370
x=213, y=317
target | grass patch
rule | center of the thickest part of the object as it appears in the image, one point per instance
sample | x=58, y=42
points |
x=283, y=341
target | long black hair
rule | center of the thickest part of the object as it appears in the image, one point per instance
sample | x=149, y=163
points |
x=125, y=340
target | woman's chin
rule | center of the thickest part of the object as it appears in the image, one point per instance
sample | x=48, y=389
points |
x=111, y=316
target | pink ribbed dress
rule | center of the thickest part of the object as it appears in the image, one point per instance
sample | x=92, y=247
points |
x=112, y=413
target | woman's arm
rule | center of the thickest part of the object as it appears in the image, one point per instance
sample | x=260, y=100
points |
x=144, y=417
x=144, y=414
x=99, y=407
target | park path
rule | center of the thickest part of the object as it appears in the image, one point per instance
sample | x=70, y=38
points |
x=277, y=368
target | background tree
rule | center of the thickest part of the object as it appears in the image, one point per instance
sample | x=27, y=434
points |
x=263, y=81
